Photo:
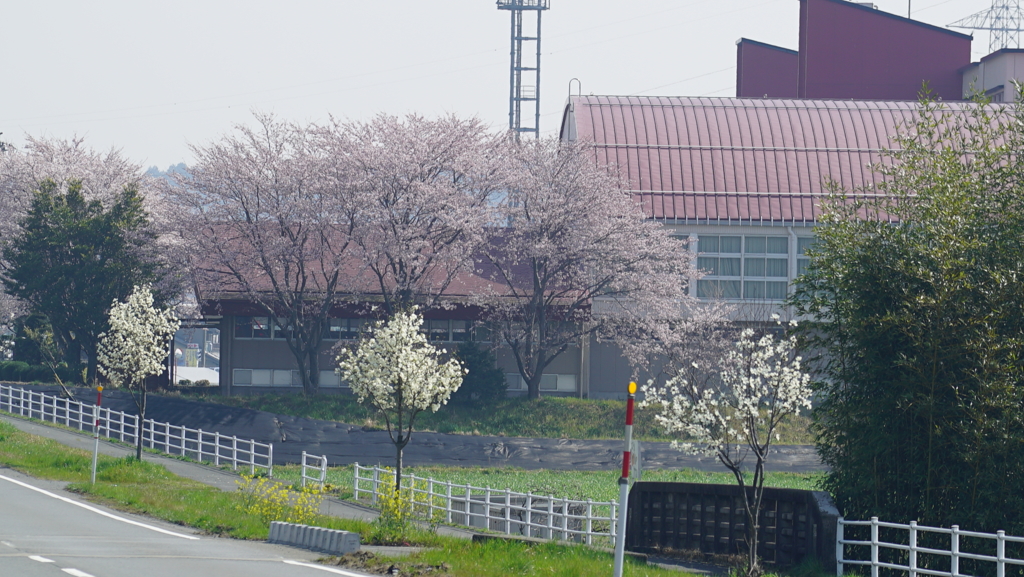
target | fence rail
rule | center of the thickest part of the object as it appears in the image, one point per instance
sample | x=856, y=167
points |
x=503, y=511
x=171, y=439
x=910, y=550
x=314, y=464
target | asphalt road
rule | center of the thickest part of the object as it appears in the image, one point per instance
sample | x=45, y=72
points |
x=345, y=444
x=48, y=532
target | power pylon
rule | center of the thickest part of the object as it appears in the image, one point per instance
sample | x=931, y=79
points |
x=523, y=94
x=1003, y=21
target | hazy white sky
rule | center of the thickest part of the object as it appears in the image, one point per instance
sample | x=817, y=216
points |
x=152, y=78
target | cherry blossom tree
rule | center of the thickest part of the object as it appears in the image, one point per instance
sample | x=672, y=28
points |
x=736, y=415
x=268, y=217
x=424, y=188
x=136, y=346
x=576, y=257
x=400, y=374
x=108, y=183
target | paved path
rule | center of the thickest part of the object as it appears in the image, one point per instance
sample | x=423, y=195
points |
x=48, y=532
x=345, y=444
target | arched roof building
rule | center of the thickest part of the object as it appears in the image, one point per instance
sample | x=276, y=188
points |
x=742, y=179
x=737, y=161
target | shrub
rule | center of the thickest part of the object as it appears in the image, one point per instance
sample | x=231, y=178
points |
x=484, y=381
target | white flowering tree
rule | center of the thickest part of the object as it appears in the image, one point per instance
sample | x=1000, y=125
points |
x=400, y=374
x=735, y=416
x=136, y=346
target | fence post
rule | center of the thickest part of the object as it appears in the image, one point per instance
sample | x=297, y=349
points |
x=590, y=526
x=565, y=519
x=323, y=472
x=376, y=484
x=303, y=470
x=839, y=547
x=508, y=511
x=448, y=495
x=216, y=448
x=1000, y=554
x=234, y=452
x=551, y=517
x=913, y=549
x=874, y=547
x=487, y=508
x=355, y=480
x=529, y=514
x=954, y=549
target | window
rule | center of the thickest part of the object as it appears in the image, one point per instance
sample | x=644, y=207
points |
x=437, y=330
x=460, y=331
x=748, y=267
x=252, y=328
x=802, y=244
x=330, y=379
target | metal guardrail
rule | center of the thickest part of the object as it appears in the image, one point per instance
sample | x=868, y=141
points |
x=911, y=550
x=503, y=511
x=317, y=464
x=203, y=446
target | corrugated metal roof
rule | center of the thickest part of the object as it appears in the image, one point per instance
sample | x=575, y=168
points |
x=735, y=160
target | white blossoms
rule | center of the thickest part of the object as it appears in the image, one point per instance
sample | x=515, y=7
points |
x=135, y=347
x=398, y=370
x=761, y=384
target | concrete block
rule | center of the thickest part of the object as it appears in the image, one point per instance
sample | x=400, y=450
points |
x=314, y=538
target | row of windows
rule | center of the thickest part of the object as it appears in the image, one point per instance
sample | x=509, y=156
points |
x=342, y=329
x=744, y=267
x=279, y=378
x=557, y=383
x=330, y=379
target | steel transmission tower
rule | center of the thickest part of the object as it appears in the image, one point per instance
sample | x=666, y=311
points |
x=1003, y=20
x=523, y=95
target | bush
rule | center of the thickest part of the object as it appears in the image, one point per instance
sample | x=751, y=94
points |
x=21, y=372
x=485, y=381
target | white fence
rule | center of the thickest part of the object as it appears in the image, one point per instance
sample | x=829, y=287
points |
x=503, y=511
x=313, y=464
x=171, y=439
x=908, y=555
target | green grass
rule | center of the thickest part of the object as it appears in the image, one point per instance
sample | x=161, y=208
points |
x=594, y=485
x=547, y=417
x=147, y=488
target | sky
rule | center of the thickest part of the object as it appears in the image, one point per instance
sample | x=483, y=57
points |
x=154, y=78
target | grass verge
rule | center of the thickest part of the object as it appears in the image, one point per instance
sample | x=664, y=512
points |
x=547, y=417
x=595, y=485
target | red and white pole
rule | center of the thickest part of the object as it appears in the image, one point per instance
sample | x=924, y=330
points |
x=96, y=431
x=620, y=534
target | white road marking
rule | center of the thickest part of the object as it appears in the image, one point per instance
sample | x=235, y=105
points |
x=11, y=545
x=99, y=511
x=323, y=568
x=40, y=559
x=76, y=573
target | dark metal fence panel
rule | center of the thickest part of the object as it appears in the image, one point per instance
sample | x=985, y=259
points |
x=712, y=519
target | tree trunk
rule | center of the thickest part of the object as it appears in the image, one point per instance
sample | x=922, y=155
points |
x=142, y=425
x=90, y=374
x=398, y=462
x=311, y=381
x=533, y=387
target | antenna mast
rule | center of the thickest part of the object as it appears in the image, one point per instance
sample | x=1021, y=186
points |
x=518, y=92
x=1003, y=21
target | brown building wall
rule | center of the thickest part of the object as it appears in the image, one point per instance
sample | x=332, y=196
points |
x=765, y=71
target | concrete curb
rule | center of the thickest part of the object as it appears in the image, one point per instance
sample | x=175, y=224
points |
x=330, y=541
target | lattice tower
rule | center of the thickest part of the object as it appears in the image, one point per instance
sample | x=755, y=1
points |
x=1003, y=21
x=524, y=95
